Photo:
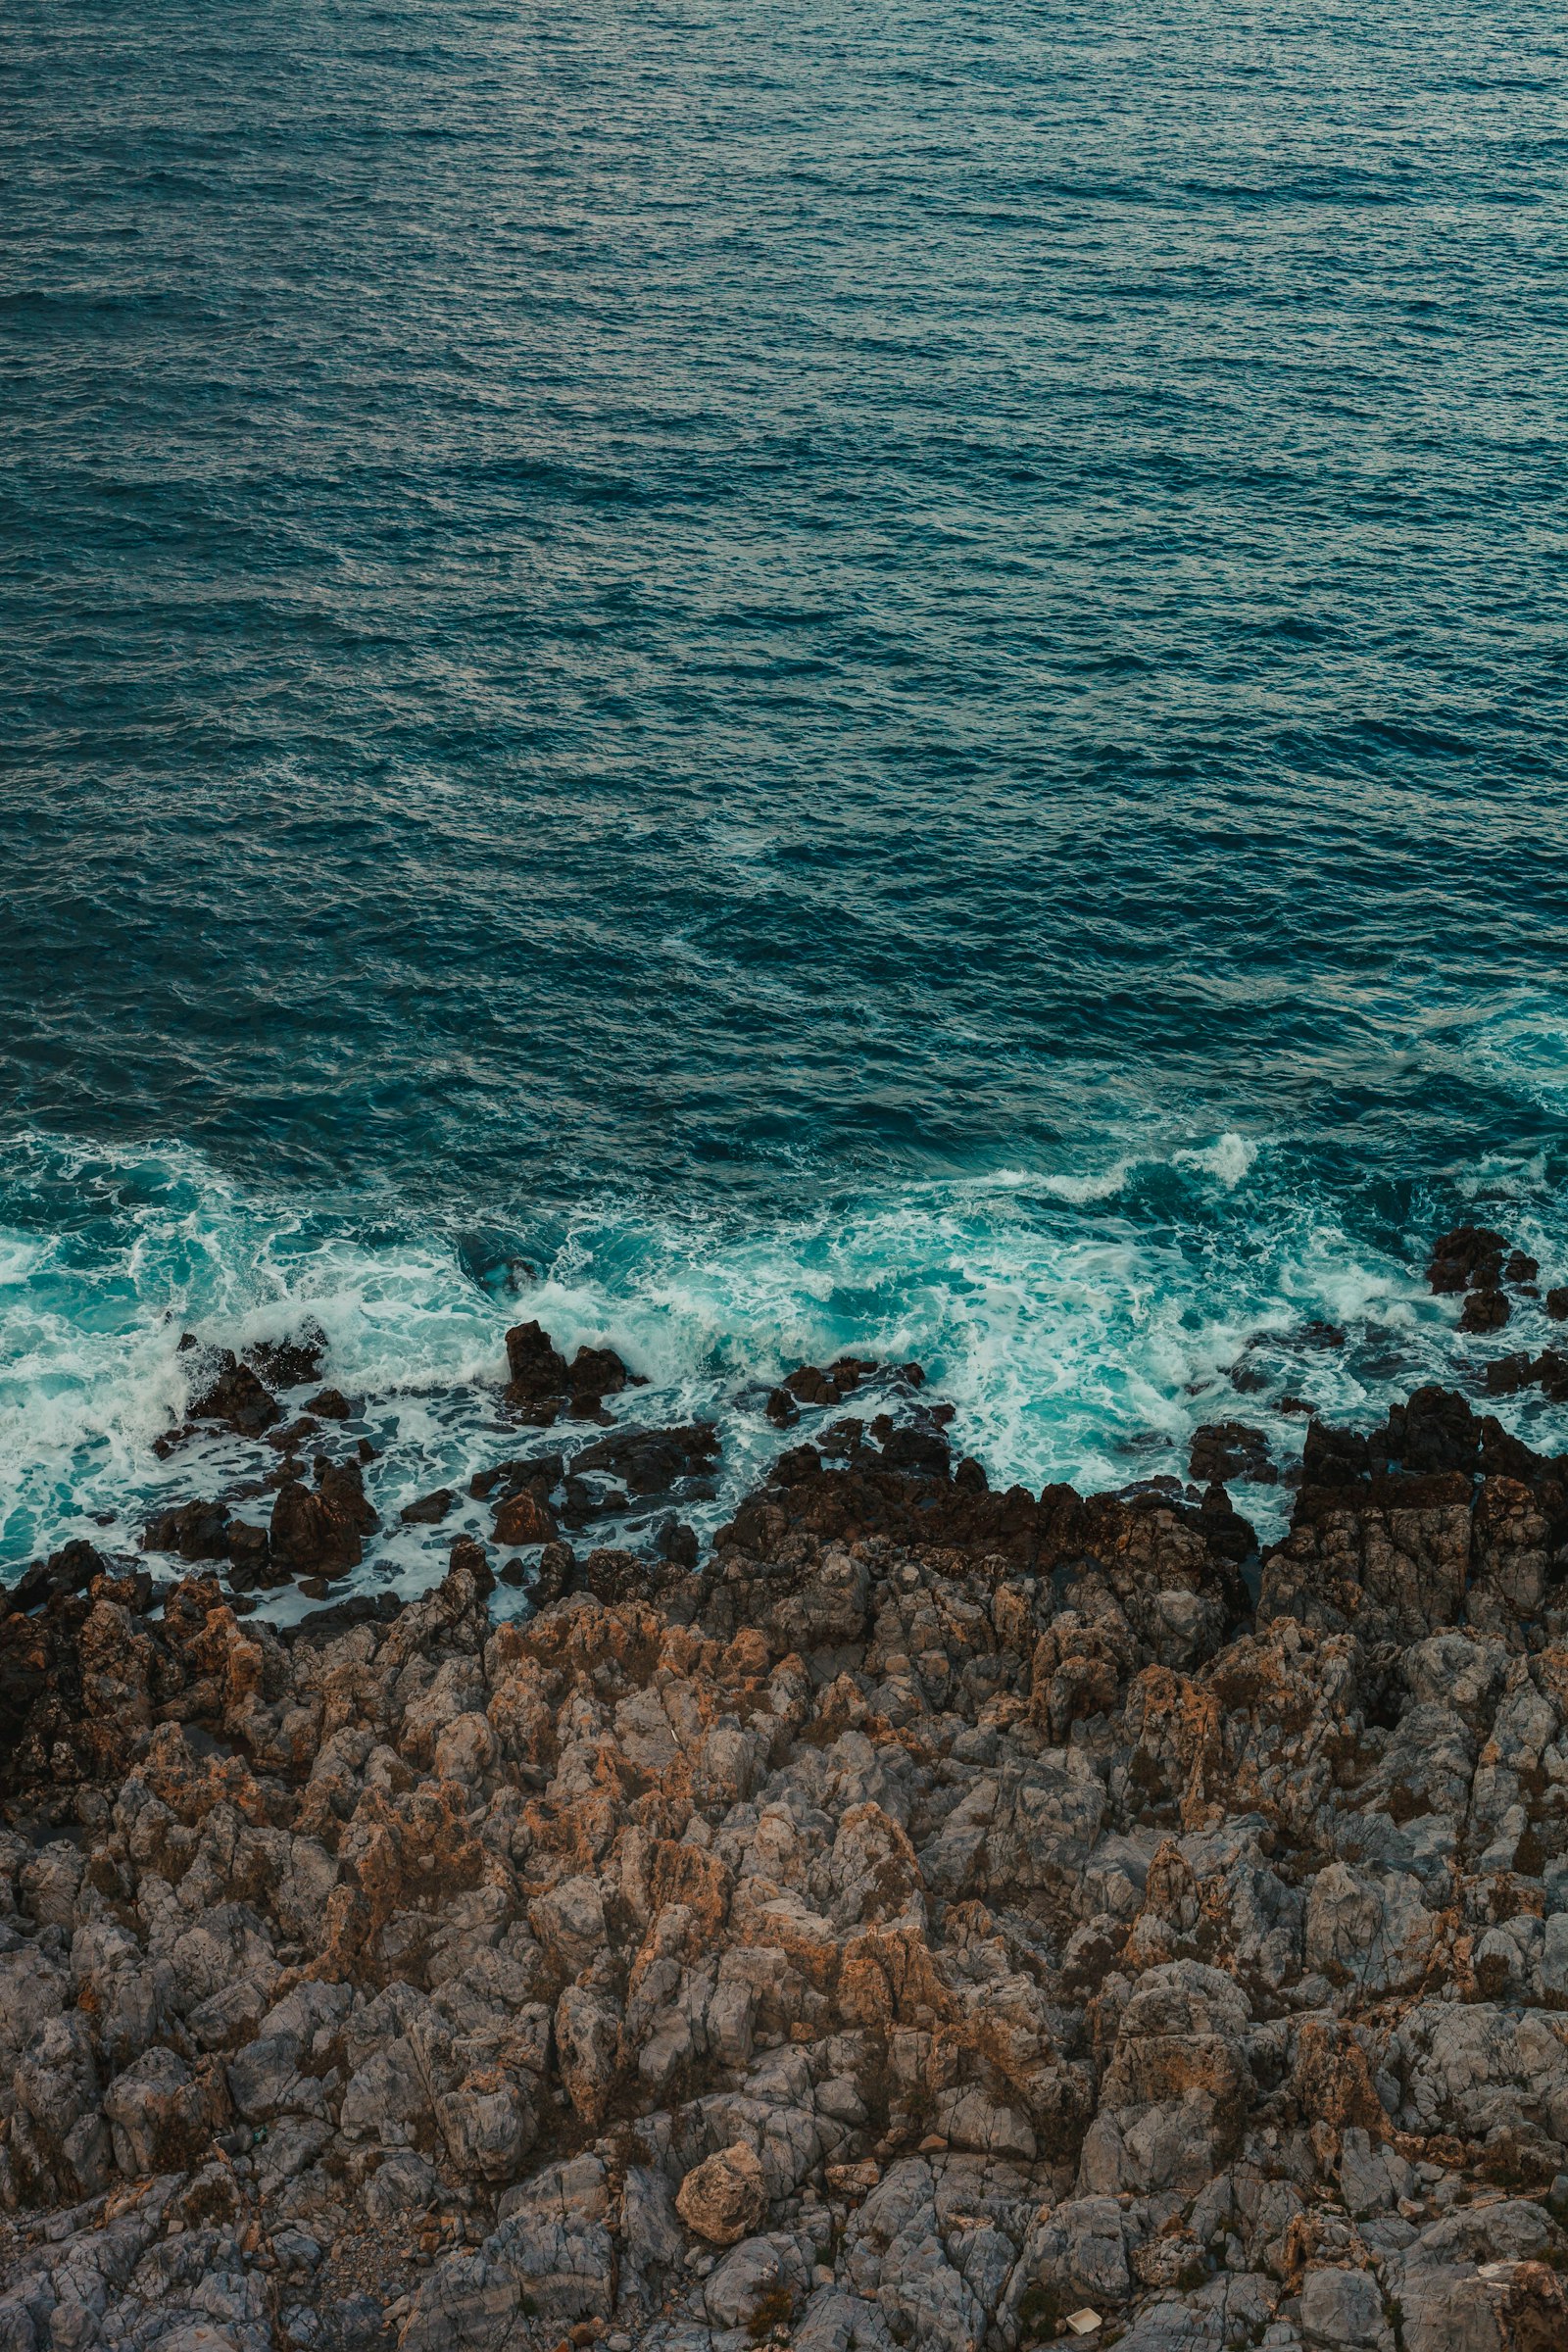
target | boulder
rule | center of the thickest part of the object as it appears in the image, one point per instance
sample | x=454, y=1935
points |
x=724, y=2198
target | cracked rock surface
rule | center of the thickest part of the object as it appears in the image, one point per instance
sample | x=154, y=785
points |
x=865, y=1940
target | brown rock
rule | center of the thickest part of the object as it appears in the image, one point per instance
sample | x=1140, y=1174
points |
x=539, y=1378
x=525, y=1518
x=724, y=2198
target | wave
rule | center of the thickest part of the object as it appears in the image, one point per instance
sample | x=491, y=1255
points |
x=1080, y=1326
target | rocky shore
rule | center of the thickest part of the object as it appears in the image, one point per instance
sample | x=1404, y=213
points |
x=937, y=1919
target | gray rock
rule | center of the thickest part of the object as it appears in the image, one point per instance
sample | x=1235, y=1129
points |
x=1342, y=2310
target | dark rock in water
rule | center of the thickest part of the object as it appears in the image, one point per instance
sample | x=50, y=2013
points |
x=782, y=1409
x=1225, y=1449
x=921, y=1451
x=539, y=1383
x=1226, y=1534
x=525, y=1518
x=675, y=1542
x=72, y=1569
x=1556, y=1304
x=250, y=1553
x=1318, y=1335
x=810, y=1384
x=289, y=1363
x=1470, y=1257
x=192, y=1531
x=237, y=1398
x=1507, y=1374
x=468, y=1568
x=841, y=1440
x=308, y=1536
x=578, y=1503
x=320, y=1531
x=1248, y=1378
x=1520, y=1267
x=1485, y=1310
x=429, y=1509
x=1433, y=1431
x=332, y=1405
x=597, y=1372
x=294, y=1434
x=542, y=1470
x=340, y=1616
x=970, y=1476
x=512, y=1572
x=794, y=1467
x=650, y=1460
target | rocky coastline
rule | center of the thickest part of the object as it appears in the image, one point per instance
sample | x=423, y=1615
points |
x=937, y=1918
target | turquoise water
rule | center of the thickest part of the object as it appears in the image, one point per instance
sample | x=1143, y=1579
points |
x=837, y=678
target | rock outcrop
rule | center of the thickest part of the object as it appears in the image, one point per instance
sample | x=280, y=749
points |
x=941, y=1917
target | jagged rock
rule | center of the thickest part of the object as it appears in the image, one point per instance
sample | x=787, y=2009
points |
x=538, y=1382
x=237, y=1397
x=191, y=1531
x=320, y=1531
x=952, y=1908
x=1225, y=1449
x=524, y=1518
x=1469, y=1257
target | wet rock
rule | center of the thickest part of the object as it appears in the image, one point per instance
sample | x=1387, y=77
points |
x=922, y=1452
x=332, y=1405
x=236, y=1396
x=428, y=1511
x=1225, y=1449
x=1469, y=1257
x=595, y=1373
x=538, y=1382
x=289, y=1363
x=191, y=1531
x=543, y=1471
x=319, y=1531
x=525, y=1518
x=70, y=1569
x=651, y=1461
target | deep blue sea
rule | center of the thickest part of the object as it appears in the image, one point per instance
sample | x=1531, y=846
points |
x=763, y=680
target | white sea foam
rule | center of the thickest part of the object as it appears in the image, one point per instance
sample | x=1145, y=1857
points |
x=1081, y=1190
x=1229, y=1160
x=1075, y=1346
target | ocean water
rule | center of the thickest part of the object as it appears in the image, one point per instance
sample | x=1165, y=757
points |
x=770, y=681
